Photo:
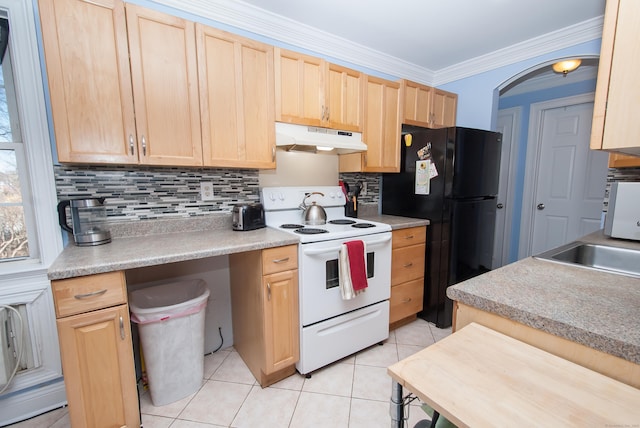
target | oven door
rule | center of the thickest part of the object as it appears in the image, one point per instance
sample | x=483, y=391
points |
x=320, y=296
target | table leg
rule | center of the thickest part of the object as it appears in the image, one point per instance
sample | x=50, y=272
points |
x=396, y=406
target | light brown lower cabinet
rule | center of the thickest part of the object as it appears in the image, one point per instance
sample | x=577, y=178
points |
x=407, y=274
x=96, y=350
x=609, y=365
x=264, y=300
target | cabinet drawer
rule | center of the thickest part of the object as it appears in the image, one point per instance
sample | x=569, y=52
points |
x=407, y=263
x=279, y=259
x=410, y=236
x=87, y=293
x=406, y=300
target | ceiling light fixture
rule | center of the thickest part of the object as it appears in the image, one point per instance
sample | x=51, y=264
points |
x=566, y=66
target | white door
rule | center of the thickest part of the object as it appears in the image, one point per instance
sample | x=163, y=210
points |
x=508, y=124
x=570, y=181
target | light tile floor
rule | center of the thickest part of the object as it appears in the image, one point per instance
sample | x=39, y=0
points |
x=350, y=393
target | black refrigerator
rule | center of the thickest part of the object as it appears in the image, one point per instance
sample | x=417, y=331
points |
x=456, y=190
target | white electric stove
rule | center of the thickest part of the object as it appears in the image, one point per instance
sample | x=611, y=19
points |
x=332, y=328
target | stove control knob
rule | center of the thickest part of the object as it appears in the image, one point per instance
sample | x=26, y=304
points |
x=272, y=196
x=281, y=196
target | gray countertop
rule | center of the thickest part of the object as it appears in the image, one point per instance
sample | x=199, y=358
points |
x=396, y=222
x=597, y=309
x=140, y=244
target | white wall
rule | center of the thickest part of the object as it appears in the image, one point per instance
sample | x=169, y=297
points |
x=301, y=168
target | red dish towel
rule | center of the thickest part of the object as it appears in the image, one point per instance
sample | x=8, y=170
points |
x=353, y=269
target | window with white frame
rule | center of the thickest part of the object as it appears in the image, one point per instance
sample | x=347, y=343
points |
x=14, y=193
x=29, y=235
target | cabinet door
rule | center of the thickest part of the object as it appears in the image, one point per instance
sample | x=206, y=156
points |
x=418, y=100
x=236, y=100
x=299, y=82
x=407, y=263
x=344, y=98
x=382, y=125
x=410, y=236
x=406, y=299
x=443, y=109
x=281, y=320
x=85, y=45
x=87, y=293
x=617, y=99
x=165, y=87
x=621, y=161
x=97, y=361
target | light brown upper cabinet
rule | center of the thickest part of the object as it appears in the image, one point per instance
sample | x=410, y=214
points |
x=617, y=99
x=236, y=100
x=87, y=58
x=165, y=87
x=622, y=161
x=311, y=91
x=381, y=129
x=92, y=83
x=344, y=104
x=427, y=106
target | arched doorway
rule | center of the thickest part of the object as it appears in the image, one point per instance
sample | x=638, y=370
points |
x=521, y=164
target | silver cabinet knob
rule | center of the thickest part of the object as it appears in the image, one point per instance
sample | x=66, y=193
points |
x=540, y=206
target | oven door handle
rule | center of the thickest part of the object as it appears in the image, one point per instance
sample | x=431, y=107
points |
x=314, y=252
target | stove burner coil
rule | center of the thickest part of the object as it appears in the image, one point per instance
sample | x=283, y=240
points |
x=310, y=231
x=291, y=226
x=342, y=221
x=363, y=225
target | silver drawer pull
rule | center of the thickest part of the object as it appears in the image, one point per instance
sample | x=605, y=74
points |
x=408, y=237
x=408, y=264
x=144, y=146
x=122, y=335
x=406, y=300
x=92, y=294
x=286, y=259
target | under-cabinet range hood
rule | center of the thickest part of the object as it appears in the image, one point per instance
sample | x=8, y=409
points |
x=314, y=139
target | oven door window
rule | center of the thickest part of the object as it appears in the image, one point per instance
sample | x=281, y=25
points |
x=332, y=278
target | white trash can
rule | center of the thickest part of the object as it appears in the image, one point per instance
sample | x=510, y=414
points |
x=170, y=320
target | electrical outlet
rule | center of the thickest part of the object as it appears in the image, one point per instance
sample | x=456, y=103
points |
x=206, y=191
x=363, y=191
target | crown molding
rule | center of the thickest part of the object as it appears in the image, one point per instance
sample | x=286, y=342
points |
x=287, y=31
x=578, y=33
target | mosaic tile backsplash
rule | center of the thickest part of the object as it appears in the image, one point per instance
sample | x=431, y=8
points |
x=143, y=193
x=619, y=174
x=140, y=193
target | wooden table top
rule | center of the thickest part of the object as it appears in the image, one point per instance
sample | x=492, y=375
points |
x=478, y=377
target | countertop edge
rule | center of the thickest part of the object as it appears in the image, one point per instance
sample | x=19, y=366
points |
x=570, y=332
x=179, y=240
x=152, y=250
x=503, y=292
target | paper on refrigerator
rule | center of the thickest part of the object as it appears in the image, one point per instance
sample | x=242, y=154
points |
x=423, y=171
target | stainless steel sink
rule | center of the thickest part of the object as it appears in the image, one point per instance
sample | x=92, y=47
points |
x=593, y=256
